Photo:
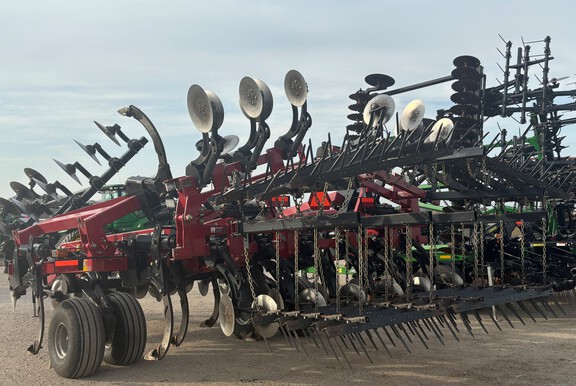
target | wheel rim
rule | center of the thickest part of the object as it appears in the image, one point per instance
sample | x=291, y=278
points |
x=61, y=341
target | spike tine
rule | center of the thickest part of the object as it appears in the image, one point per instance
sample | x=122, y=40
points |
x=464, y=318
x=305, y=335
x=342, y=351
x=409, y=326
x=401, y=327
x=352, y=343
x=538, y=309
x=292, y=340
x=329, y=344
x=547, y=306
x=417, y=324
x=421, y=338
x=383, y=343
x=425, y=321
x=360, y=341
x=344, y=342
x=525, y=309
x=479, y=319
x=284, y=334
x=452, y=319
x=400, y=337
x=560, y=307
x=316, y=334
x=433, y=323
x=436, y=333
x=298, y=342
x=516, y=314
x=389, y=336
x=452, y=331
x=359, y=338
x=371, y=340
x=494, y=320
x=499, y=308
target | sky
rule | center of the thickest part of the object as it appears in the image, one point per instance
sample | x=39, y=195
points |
x=67, y=63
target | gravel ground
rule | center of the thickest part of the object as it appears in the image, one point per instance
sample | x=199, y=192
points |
x=535, y=354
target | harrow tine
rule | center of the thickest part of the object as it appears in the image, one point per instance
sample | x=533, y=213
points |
x=401, y=327
x=284, y=334
x=421, y=338
x=494, y=320
x=516, y=314
x=389, y=336
x=383, y=343
x=547, y=306
x=452, y=319
x=417, y=324
x=371, y=340
x=329, y=344
x=363, y=345
x=438, y=333
x=499, y=308
x=352, y=343
x=321, y=341
x=400, y=337
x=525, y=309
x=344, y=342
x=342, y=351
x=298, y=342
x=479, y=319
x=466, y=322
x=538, y=309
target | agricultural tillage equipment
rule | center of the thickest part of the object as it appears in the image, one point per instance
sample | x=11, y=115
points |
x=407, y=229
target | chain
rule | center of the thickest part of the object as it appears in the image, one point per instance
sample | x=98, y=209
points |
x=469, y=168
x=475, y=245
x=409, y=273
x=321, y=201
x=453, y=247
x=544, y=262
x=337, y=259
x=316, y=266
x=277, y=249
x=365, y=256
x=444, y=174
x=360, y=244
x=431, y=241
x=482, y=248
x=296, y=257
x=347, y=253
x=298, y=203
x=248, y=270
x=502, y=230
x=463, y=251
x=387, y=275
x=522, y=252
x=485, y=173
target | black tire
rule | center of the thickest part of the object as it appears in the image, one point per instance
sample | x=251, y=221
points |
x=129, y=336
x=76, y=338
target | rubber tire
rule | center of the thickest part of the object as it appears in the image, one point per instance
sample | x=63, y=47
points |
x=80, y=324
x=129, y=336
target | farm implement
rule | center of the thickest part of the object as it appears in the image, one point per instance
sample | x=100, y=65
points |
x=410, y=228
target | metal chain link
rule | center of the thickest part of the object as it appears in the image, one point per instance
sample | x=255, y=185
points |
x=431, y=242
x=277, y=250
x=296, y=258
x=248, y=270
x=316, y=267
x=485, y=174
x=544, y=258
x=502, y=230
x=409, y=273
x=387, y=275
x=360, y=251
x=475, y=246
x=463, y=251
x=522, y=252
x=347, y=253
x=453, y=247
x=482, y=267
x=337, y=235
x=365, y=257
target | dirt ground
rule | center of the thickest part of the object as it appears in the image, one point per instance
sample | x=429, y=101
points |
x=541, y=353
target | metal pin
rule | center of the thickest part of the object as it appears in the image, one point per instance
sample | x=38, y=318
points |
x=466, y=323
x=437, y=333
x=313, y=334
x=352, y=343
x=417, y=324
x=286, y=336
x=297, y=342
x=421, y=338
x=383, y=344
x=559, y=306
x=344, y=342
x=364, y=347
x=547, y=306
x=330, y=344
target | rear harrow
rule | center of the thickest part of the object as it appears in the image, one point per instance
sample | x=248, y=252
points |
x=391, y=238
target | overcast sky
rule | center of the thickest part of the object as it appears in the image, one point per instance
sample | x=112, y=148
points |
x=67, y=63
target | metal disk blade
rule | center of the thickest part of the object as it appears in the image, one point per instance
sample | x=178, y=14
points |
x=33, y=174
x=90, y=150
x=110, y=133
x=226, y=314
x=266, y=303
x=9, y=207
x=22, y=190
x=69, y=169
